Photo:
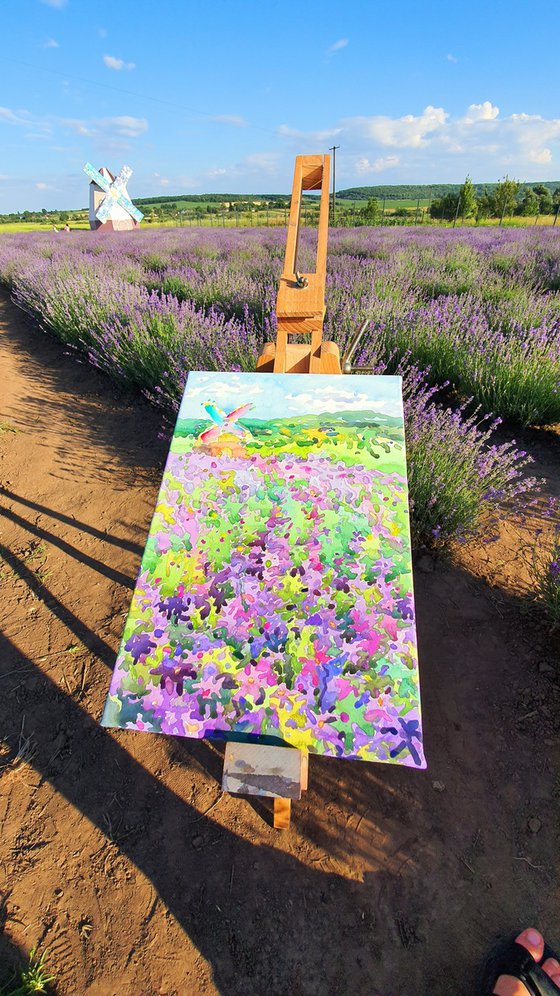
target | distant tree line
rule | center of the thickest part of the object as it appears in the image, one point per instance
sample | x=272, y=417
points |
x=272, y=199
x=425, y=191
x=501, y=200
x=456, y=202
x=54, y=217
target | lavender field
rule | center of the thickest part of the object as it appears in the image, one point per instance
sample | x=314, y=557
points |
x=471, y=318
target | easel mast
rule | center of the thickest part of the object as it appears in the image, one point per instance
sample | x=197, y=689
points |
x=300, y=305
x=300, y=309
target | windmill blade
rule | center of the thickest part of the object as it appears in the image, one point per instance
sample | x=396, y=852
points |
x=123, y=177
x=215, y=413
x=104, y=210
x=238, y=412
x=97, y=177
x=209, y=434
x=128, y=206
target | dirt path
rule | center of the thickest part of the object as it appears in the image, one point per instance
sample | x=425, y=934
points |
x=119, y=853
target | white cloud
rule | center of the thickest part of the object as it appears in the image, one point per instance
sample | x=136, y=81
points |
x=338, y=400
x=19, y=117
x=231, y=385
x=77, y=127
x=542, y=158
x=219, y=171
x=42, y=186
x=381, y=163
x=451, y=58
x=336, y=46
x=51, y=43
x=263, y=162
x=163, y=181
x=124, y=125
x=312, y=137
x=113, y=63
x=410, y=131
x=107, y=129
x=231, y=119
x=480, y=112
x=437, y=143
x=59, y=4
x=7, y=115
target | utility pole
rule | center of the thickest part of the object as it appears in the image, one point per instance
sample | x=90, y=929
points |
x=333, y=149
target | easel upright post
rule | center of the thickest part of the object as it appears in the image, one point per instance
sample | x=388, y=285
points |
x=300, y=311
x=300, y=306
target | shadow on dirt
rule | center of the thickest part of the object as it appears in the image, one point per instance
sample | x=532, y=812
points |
x=391, y=881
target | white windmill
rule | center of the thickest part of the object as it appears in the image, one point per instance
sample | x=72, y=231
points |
x=110, y=206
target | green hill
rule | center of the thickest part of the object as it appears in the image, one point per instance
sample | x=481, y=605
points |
x=425, y=191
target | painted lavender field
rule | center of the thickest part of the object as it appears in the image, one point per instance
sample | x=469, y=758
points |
x=275, y=593
x=475, y=310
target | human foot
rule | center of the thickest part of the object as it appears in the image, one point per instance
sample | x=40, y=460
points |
x=522, y=956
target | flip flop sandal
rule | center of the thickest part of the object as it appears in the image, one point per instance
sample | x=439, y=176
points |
x=510, y=958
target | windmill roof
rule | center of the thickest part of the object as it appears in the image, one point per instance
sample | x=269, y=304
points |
x=106, y=173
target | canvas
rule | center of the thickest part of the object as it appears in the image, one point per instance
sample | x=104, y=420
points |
x=274, y=599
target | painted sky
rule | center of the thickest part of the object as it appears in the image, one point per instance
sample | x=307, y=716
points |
x=198, y=99
x=274, y=396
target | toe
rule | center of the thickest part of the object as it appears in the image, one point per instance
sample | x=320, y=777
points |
x=508, y=986
x=552, y=967
x=530, y=939
x=533, y=941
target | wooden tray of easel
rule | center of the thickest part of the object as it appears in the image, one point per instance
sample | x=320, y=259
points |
x=258, y=769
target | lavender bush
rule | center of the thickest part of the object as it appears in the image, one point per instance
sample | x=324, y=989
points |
x=479, y=310
x=545, y=572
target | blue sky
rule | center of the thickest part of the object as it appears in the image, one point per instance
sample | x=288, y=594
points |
x=221, y=96
x=274, y=396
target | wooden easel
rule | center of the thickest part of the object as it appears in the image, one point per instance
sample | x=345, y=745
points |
x=300, y=305
x=255, y=769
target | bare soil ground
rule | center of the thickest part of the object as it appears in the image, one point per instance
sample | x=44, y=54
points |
x=118, y=852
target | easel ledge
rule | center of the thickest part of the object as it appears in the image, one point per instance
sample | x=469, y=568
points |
x=282, y=772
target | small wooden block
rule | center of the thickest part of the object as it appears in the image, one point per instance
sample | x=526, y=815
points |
x=282, y=813
x=257, y=769
x=304, y=770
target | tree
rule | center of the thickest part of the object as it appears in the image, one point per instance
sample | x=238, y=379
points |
x=485, y=205
x=544, y=198
x=445, y=207
x=504, y=197
x=529, y=204
x=370, y=213
x=467, y=199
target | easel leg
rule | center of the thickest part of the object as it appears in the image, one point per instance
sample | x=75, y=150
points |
x=282, y=813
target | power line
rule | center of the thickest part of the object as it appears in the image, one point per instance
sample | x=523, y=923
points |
x=130, y=93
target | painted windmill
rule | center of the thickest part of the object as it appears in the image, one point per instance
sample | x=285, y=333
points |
x=110, y=206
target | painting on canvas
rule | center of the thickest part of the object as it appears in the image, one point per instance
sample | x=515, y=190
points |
x=274, y=599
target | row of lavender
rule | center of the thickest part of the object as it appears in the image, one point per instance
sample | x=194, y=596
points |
x=479, y=311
